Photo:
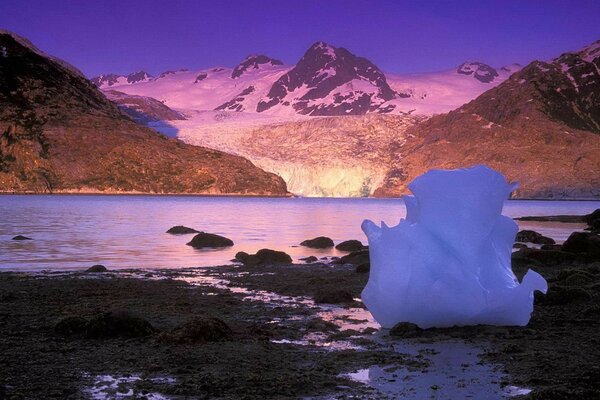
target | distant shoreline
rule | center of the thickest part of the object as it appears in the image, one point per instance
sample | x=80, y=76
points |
x=289, y=195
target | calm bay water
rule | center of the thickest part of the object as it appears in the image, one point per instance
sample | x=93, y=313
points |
x=74, y=232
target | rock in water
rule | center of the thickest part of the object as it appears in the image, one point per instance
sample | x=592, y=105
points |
x=449, y=262
x=97, y=268
x=350, y=245
x=203, y=240
x=264, y=257
x=321, y=242
x=533, y=237
x=181, y=230
x=21, y=237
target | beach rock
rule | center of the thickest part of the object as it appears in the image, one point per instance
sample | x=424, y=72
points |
x=203, y=240
x=350, y=245
x=263, y=257
x=335, y=296
x=405, y=330
x=21, y=237
x=309, y=259
x=593, y=216
x=97, y=268
x=181, y=230
x=321, y=242
x=533, y=237
x=200, y=329
x=268, y=256
x=363, y=268
x=519, y=246
x=583, y=242
x=356, y=257
x=118, y=324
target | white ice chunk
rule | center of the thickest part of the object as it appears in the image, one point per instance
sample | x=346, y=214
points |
x=449, y=262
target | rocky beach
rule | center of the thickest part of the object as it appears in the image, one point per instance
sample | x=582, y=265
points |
x=262, y=327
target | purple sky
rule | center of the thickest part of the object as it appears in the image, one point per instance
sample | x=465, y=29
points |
x=398, y=36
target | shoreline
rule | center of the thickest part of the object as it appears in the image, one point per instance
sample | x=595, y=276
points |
x=250, y=195
x=275, y=319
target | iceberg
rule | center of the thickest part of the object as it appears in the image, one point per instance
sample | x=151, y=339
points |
x=448, y=263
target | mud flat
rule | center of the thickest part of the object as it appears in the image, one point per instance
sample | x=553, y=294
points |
x=252, y=332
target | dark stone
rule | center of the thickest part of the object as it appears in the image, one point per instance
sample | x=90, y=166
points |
x=335, y=296
x=118, y=324
x=200, y=329
x=519, y=246
x=21, y=237
x=350, y=245
x=264, y=257
x=533, y=237
x=321, y=242
x=593, y=216
x=268, y=256
x=356, y=257
x=97, y=268
x=363, y=268
x=241, y=256
x=583, y=242
x=309, y=259
x=203, y=240
x=405, y=330
x=71, y=326
x=181, y=230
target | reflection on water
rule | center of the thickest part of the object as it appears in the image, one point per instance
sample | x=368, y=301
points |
x=454, y=371
x=129, y=231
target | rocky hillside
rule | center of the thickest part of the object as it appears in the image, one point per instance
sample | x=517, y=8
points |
x=541, y=128
x=58, y=133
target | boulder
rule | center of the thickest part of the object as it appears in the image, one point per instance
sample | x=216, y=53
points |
x=21, y=237
x=200, y=329
x=350, y=245
x=204, y=240
x=405, y=330
x=118, y=324
x=533, y=237
x=519, y=246
x=335, y=296
x=264, y=257
x=583, y=243
x=181, y=230
x=593, y=216
x=356, y=257
x=309, y=259
x=321, y=242
x=97, y=268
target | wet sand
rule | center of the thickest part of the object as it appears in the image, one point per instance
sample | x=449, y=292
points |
x=282, y=344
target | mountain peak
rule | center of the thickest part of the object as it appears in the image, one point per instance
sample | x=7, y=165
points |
x=252, y=62
x=480, y=71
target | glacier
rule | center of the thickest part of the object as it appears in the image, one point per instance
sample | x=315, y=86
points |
x=448, y=263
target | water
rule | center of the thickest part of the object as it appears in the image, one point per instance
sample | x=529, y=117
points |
x=76, y=231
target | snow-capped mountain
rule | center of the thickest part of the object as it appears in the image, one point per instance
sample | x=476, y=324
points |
x=440, y=92
x=330, y=81
x=108, y=80
x=238, y=110
x=326, y=81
